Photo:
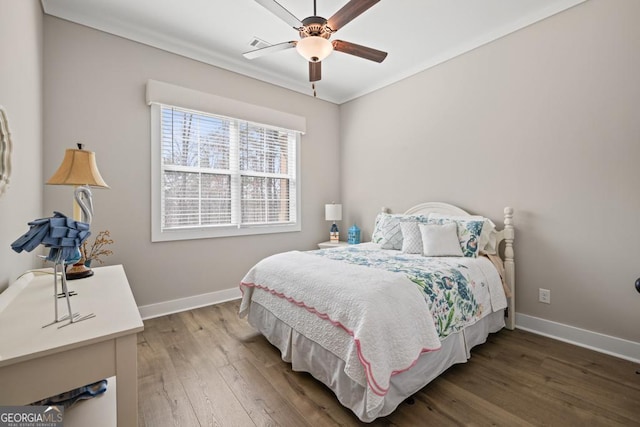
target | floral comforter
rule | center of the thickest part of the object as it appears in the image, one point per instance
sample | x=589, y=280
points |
x=459, y=290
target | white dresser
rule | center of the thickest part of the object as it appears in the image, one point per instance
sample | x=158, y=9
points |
x=37, y=362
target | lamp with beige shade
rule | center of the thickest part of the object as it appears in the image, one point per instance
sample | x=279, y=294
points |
x=79, y=169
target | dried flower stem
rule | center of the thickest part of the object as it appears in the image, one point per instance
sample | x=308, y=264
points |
x=98, y=247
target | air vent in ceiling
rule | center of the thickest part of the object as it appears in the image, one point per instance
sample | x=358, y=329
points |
x=256, y=43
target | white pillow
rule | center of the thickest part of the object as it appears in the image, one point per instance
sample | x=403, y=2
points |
x=387, y=231
x=488, y=236
x=440, y=240
x=411, y=237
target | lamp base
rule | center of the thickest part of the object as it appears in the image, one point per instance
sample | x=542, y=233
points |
x=334, y=233
x=78, y=271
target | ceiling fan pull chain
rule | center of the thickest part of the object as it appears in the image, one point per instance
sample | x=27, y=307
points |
x=313, y=86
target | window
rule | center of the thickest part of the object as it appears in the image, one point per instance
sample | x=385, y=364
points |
x=219, y=176
x=221, y=167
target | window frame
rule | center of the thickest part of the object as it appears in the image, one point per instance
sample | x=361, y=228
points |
x=211, y=231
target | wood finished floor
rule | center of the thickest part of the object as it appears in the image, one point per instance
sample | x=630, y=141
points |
x=207, y=367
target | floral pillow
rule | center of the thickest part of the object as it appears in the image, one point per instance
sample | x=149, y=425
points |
x=387, y=231
x=469, y=231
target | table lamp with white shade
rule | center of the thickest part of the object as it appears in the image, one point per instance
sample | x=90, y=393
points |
x=333, y=212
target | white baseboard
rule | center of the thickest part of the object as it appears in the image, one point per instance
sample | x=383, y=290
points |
x=175, y=306
x=618, y=347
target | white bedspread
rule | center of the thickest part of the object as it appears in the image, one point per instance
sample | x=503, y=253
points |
x=384, y=312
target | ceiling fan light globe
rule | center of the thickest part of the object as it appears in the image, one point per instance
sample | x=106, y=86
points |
x=314, y=48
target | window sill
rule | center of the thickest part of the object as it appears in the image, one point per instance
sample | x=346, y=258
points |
x=215, y=232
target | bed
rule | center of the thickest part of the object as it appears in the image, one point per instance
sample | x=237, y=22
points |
x=376, y=322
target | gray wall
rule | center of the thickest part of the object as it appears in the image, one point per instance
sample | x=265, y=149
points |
x=545, y=120
x=95, y=94
x=21, y=96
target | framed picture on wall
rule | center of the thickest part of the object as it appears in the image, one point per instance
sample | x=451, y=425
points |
x=5, y=151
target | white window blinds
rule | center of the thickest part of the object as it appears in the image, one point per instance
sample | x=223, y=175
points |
x=267, y=164
x=217, y=171
x=220, y=166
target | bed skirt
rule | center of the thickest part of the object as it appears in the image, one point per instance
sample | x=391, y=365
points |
x=306, y=355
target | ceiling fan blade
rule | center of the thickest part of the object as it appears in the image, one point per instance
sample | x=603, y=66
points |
x=358, y=50
x=253, y=54
x=282, y=13
x=315, y=71
x=348, y=12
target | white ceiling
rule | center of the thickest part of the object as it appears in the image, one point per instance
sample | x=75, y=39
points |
x=417, y=34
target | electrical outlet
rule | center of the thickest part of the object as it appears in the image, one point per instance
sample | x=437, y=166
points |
x=544, y=296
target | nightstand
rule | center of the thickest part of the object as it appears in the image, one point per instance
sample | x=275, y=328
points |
x=329, y=244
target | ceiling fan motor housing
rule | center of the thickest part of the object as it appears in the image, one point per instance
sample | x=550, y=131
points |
x=315, y=26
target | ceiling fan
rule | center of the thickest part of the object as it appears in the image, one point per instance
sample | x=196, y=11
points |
x=315, y=31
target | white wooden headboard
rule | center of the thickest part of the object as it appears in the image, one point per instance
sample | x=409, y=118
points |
x=435, y=207
x=507, y=235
